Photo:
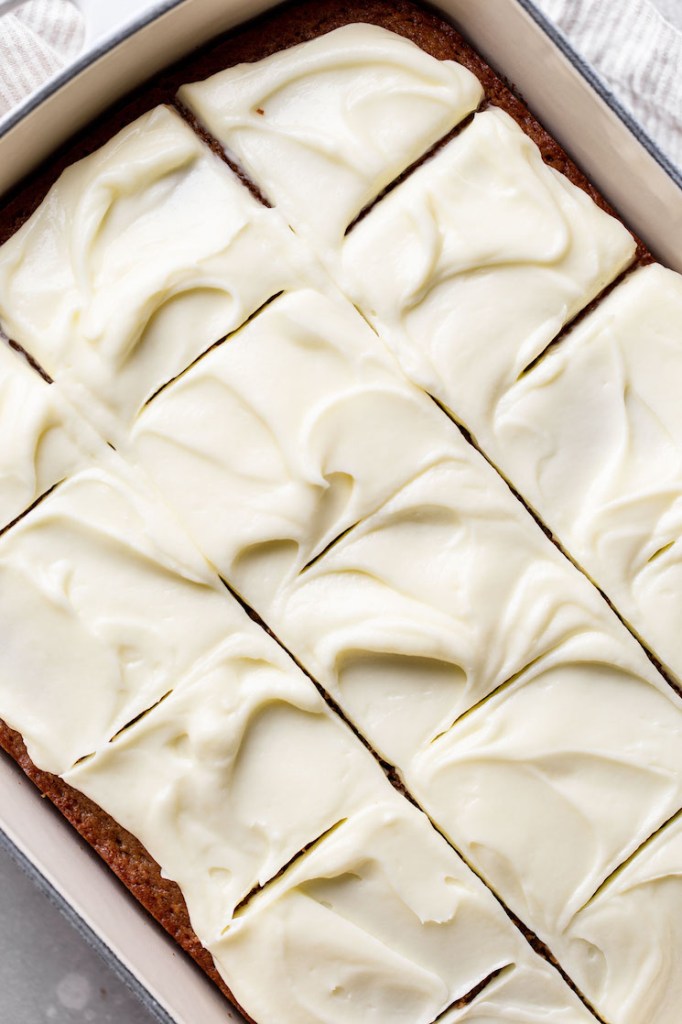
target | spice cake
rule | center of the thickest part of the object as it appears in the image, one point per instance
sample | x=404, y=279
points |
x=276, y=635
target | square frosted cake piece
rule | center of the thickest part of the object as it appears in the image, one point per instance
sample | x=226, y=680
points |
x=141, y=256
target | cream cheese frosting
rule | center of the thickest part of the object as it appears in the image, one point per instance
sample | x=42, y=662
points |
x=228, y=778
x=551, y=784
x=104, y=604
x=141, y=256
x=592, y=436
x=282, y=438
x=389, y=941
x=42, y=441
x=471, y=266
x=432, y=603
x=324, y=126
x=624, y=947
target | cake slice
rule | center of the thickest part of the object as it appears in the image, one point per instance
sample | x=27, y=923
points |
x=473, y=265
x=592, y=437
x=104, y=604
x=282, y=438
x=141, y=256
x=552, y=783
x=324, y=126
x=228, y=778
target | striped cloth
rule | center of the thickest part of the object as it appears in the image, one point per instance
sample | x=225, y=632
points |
x=37, y=39
x=635, y=45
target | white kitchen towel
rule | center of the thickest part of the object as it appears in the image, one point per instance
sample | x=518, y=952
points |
x=635, y=46
x=37, y=39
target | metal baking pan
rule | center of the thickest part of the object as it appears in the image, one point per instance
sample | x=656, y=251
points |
x=564, y=93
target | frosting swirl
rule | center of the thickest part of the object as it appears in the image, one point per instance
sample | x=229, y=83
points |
x=324, y=126
x=141, y=256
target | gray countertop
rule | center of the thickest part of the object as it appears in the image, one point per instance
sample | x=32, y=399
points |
x=47, y=972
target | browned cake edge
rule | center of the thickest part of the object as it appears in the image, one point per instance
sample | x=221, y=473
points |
x=123, y=853
x=276, y=30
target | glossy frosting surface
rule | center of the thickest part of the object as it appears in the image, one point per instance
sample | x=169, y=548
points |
x=141, y=256
x=432, y=603
x=104, y=604
x=282, y=438
x=552, y=783
x=593, y=438
x=323, y=127
x=472, y=266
